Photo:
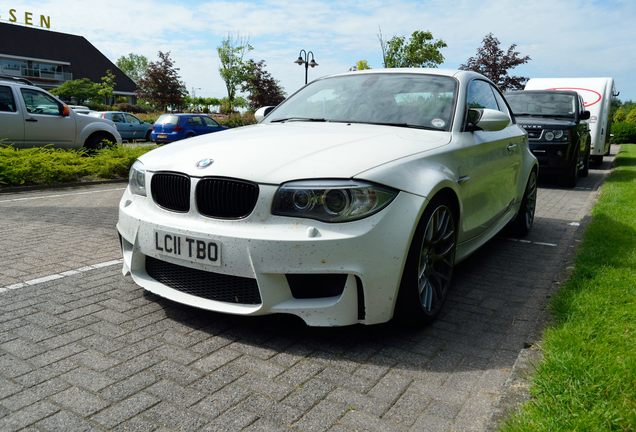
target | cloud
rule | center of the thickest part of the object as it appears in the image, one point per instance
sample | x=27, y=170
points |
x=563, y=37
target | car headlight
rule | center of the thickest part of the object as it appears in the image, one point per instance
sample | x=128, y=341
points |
x=331, y=200
x=137, y=179
x=555, y=135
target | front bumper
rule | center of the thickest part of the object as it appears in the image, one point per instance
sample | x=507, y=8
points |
x=369, y=254
x=553, y=157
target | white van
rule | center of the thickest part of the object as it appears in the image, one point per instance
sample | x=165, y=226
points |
x=597, y=94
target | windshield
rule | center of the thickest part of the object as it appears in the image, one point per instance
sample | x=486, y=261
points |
x=542, y=104
x=167, y=119
x=414, y=100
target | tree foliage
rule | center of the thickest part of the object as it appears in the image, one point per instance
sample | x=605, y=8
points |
x=362, y=65
x=107, y=87
x=81, y=90
x=420, y=50
x=232, y=53
x=162, y=85
x=262, y=88
x=133, y=65
x=494, y=63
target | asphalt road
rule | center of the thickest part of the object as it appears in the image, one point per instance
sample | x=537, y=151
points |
x=83, y=348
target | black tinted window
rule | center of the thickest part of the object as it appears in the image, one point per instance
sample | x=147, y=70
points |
x=7, y=103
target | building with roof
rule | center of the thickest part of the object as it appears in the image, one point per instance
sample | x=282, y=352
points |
x=49, y=58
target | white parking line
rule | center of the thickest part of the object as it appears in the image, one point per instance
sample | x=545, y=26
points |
x=61, y=195
x=57, y=276
x=532, y=242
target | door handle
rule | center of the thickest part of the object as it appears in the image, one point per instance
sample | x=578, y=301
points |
x=31, y=120
x=511, y=147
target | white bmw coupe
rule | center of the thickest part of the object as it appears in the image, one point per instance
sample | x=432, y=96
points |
x=350, y=202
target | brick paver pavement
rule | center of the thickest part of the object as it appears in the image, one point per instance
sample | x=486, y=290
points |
x=92, y=351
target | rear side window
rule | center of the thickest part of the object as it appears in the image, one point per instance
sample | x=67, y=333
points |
x=118, y=118
x=195, y=121
x=168, y=119
x=7, y=103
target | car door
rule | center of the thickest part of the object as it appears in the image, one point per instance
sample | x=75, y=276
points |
x=125, y=129
x=196, y=124
x=489, y=164
x=137, y=126
x=11, y=120
x=43, y=120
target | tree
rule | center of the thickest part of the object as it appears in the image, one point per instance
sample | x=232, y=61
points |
x=421, y=50
x=362, y=65
x=133, y=65
x=162, y=85
x=106, y=88
x=494, y=63
x=233, y=66
x=81, y=90
x=262, y=88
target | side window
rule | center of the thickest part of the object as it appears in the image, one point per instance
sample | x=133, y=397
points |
x=480, y=96
x=118, y=118
x=40, y=103
x=195, y=121
x=501, y=103
x=210, y=122
x=7, y=103
x=132, y=119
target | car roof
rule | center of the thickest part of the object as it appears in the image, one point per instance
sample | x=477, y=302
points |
x=567, y=92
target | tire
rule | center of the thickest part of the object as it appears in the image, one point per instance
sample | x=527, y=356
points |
x=147, y=138
x=522, y=223
x=585, y=171
x=572, y=173
x=429, y=266
x=98, y=141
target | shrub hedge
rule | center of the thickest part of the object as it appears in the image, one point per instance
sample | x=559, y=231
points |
x=48, y=165
x=623, y=133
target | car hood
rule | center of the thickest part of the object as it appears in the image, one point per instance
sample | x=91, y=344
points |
x=544, y=121
x=276, y=153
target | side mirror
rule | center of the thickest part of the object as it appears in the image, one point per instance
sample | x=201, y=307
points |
x=65, y=111
x=262, y=112
x=585, y=115
x=487, y=119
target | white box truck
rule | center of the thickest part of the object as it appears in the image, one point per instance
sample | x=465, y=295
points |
x=597, y=95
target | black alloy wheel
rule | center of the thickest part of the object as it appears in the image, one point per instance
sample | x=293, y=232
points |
x=429, y=266
x=522, y=223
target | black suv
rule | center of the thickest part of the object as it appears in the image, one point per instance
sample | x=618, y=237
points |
x=558, y=134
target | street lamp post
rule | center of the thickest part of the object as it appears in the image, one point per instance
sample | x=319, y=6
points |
x=305, y=61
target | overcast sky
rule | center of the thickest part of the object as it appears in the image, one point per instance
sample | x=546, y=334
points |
x=564, y=38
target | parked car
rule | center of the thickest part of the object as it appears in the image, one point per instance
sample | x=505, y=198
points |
x=351, y=202
x=80, y=109
x=557, y=129
x=174, y=127
x=597, y=94
x=30, y=117
x=129, y=126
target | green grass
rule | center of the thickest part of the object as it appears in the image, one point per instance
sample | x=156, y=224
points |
x=47, y=165
x=587, y=380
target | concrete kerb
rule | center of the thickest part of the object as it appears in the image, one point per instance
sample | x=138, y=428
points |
x=15, y=189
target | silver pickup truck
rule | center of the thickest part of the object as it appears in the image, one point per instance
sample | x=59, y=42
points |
x=32, y=117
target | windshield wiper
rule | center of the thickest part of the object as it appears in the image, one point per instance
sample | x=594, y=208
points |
x=406, y=125
x=307, y=119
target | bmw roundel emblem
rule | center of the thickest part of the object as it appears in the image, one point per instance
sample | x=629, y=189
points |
x=204, y=163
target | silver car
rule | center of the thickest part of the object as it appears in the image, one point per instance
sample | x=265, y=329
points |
x=30, y=117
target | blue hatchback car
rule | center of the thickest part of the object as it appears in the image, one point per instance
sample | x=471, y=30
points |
x=174, y=127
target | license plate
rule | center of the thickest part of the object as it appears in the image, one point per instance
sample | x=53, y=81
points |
x=162, y=136
x=188, y=248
